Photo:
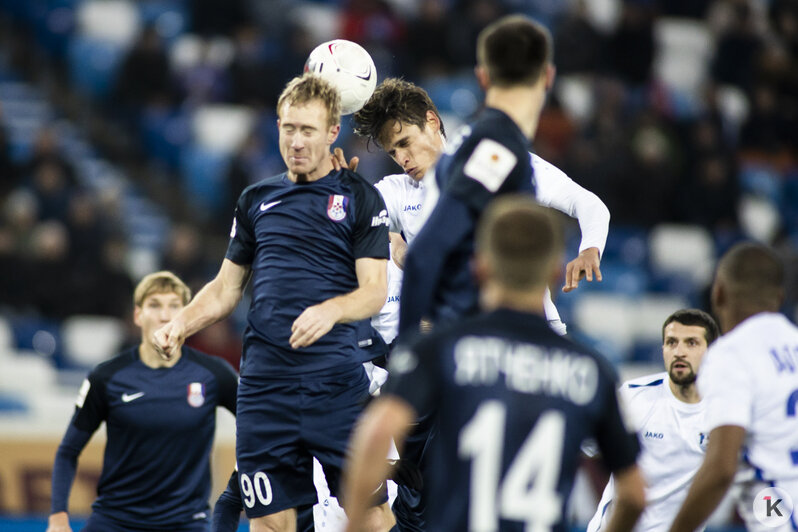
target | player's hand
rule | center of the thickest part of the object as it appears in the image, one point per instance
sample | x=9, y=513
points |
x=169, y=339
x=313, y=323
x=585, y=266
x=339, y=161
x=398, y=249
x=58, y=522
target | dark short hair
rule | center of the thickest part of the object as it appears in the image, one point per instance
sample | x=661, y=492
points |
x=694, y=317
x=514, y=50
x=753, y=273
x=395, y=100
x=521, y=239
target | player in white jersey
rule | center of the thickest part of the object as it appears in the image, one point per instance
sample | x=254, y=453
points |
x=749, y=381
x=668, y=415
x=401, y=118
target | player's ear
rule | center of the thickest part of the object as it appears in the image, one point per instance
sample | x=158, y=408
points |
x=332, y=133
x=718, y=295
x=137, y=315
x=482, y=77
x=481, y=268
x=433, y=121
x=551, y=73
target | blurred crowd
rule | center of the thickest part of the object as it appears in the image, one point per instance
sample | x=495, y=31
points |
x=653, y=150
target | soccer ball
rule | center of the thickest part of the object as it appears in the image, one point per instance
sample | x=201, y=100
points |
x=349, y=68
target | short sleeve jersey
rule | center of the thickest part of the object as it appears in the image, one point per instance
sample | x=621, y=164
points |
x=301, y=241
x=515, y=402
x=749, y=379
x=160, y=424
x=673, y=440
x=404, y=199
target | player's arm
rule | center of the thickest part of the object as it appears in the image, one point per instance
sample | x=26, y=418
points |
x=228, y=507
x=363, y=302
x=448, y=224
x=555, y=189
x=398, y=249
x=712, y=479
x=387, y=418
x=629, y=499
x=215, y=301
x=91, y=409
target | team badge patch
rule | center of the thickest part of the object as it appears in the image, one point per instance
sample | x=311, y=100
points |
x=336, y=207
x=196, y=394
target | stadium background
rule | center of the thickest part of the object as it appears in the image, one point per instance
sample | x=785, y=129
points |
x=127, y=130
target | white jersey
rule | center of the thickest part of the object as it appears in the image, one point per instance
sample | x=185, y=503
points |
x=749, y=379
x=673, y=442
x=386, y=321
x=404, y=198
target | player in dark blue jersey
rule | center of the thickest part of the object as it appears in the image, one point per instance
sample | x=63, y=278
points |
x=486, y=158
x=515, y=399
x=160, y=418
x=315, y=242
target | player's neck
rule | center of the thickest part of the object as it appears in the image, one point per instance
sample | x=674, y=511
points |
x=686, y=393
x=493, y=296
x=324, y=168
x=521, y=104
x=150, y=357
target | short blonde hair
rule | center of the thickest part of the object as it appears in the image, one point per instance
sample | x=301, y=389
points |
x=308, y=87
x=163, y=282
x=521, y=239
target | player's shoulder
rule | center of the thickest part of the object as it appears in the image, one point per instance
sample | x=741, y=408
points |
x=358, y=184
x=394, y=182
x=104, y=371
x=218, y=366
x=262, y=186
x=646, y=386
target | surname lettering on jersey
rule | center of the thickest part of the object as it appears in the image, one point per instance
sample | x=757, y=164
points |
x=526, y=368
x=785, y=358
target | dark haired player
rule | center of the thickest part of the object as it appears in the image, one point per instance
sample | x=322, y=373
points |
x=160, y=417
x=515, y=400
x=668, y=415
x=487, y=158
x=315, y=241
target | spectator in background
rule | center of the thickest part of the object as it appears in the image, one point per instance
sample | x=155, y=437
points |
x=425, y=45
x=144, y=76
x=631, y=48
x=9, y=173
x=578, y=47
x=183, y=255
x=253, y=78
x=737, y=49
x=47, y=150
x=217, y=17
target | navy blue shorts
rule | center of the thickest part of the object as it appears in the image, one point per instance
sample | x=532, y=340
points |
x=101, y=523
x=281, y=424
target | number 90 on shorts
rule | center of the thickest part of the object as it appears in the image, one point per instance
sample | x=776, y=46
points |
x=255, y=489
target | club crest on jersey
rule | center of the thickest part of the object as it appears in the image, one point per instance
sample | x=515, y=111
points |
x=196, y=394
x=336, y=207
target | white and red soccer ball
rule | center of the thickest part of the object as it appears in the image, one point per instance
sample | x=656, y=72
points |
x=349, y=68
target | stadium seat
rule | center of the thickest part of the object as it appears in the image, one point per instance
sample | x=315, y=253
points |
x=203, y=173
x=27, y=373
x=759, y=217
x=113, y=21
x=93, y=63
x=685, y=250
x=620, y=278
x=89, y=340
x=608, y=318
x=684, y=47
x=650, y=312
x=222, y=128
x=626, y=244
x=761, y=180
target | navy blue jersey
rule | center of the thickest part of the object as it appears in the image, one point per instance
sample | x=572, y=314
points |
x=484, y=159
x=301, y=241
x=160, y=424
x=515, y=402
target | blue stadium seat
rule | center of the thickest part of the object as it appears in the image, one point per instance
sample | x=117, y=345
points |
x=627, y=244
x=93, y=64
x=761, y=180
x=619, y=278
x=40, y=335
x=203, y=175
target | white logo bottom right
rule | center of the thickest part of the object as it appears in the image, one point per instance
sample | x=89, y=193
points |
x=773, y=507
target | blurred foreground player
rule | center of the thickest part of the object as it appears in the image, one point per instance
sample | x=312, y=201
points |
x=486, y=158
x=749, y=381
x=515, y=400
x=315, y=242
x=668, y=415
x=160, y=418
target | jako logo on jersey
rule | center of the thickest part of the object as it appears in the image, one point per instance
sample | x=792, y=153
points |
x=654, y=435
x=196, y=394
x=412, y=208
x=392, y=299
x=380, y=219
x=336, y=207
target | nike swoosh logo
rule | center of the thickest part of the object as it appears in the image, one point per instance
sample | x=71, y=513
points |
x=267, y=206
x=126, y=398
